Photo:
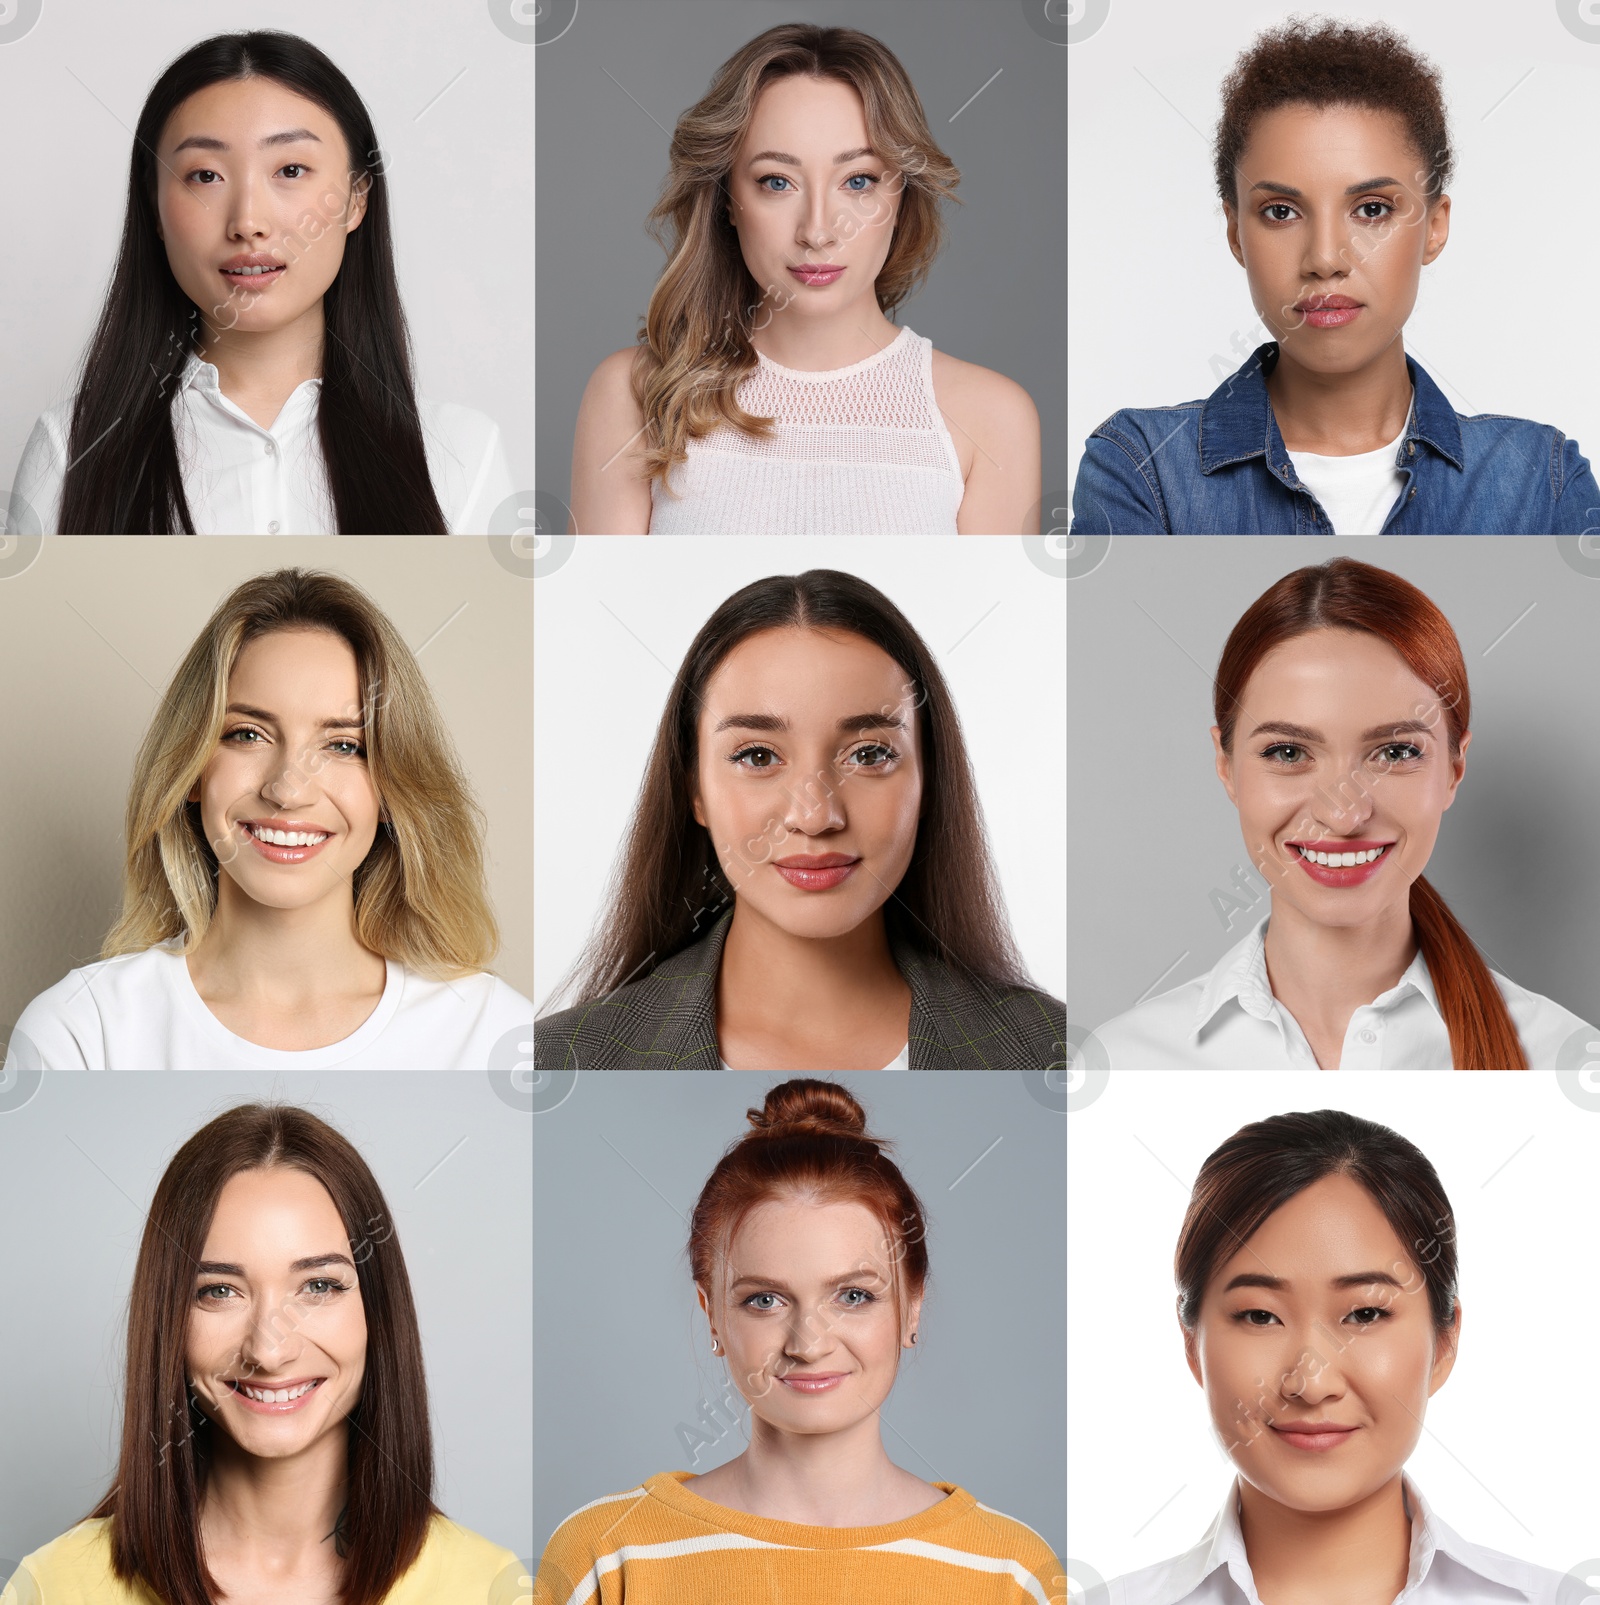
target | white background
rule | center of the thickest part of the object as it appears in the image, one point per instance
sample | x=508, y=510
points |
x=612, y=625
x=459, y=166
x=1502, y=321
x=1507, y=1451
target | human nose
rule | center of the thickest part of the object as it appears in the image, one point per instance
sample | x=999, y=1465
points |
x=813, y=806
x=817, y=222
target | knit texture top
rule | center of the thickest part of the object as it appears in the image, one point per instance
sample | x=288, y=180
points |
x=660, y=1544
x=859, y=450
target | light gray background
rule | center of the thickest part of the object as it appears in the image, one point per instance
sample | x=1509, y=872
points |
x=1153, y=833
x=79, y=1165
x=451, y=98
x=611, y=626
x=611, y=89
x=1502, y=1456
x=1160, y=311
x=622, y=1356
x=91, y=632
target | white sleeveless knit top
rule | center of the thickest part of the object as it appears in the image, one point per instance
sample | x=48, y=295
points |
x=859, y=450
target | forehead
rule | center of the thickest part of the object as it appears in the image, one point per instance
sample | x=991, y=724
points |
x=268, y=1213
x=245, y=109
x=808, y=117
x=799, y=1239
x=1330, y=678
x=1332, y=1228
x=297, y=664
x=1324, y=148
x=808, y=676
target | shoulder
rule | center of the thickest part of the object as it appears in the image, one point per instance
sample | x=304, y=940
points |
x=965, y=1023
x=65, y=1026
x=1147, y=426
x=465, y=430
x=609, y=393
x=978, y=1533
x=459, y=1559
x=982, y=393
x=1168, y=1582
x=75, y=1569
x=590, y=1543
x=479, y=1005
x=1152, y=1035
x=1553, y=1037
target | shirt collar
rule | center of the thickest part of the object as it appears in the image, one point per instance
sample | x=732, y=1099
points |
x=1223, y=1545
x=203, y=376
x=1241, y=975
x=1237, y=422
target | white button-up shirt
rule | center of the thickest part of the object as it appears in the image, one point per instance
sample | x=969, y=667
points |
x=1445, y=1569
x=1229, y=1020
x=241, y=479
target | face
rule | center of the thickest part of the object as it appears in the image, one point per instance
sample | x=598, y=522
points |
x=807, y=193
x=810, y=1296
x=1331, y=203
x=1313, y=1351
x=250, y=170
x=263, y=1314
x=1339, y=749
x=286, y=800
x=809, y=777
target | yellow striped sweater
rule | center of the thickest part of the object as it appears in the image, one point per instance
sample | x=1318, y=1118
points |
x=660, y=1544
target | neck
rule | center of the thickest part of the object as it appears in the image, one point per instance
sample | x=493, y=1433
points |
x=1360, y=1554
x=270, y=362
x=769, y=972
x=281, y=1510
x=826, y=1479
x=1341, y=413
x=813, y=343
x=1323, y=973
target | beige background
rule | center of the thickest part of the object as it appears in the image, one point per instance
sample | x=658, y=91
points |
x=91, y=631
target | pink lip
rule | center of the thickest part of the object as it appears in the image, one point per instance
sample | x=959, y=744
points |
x=283, y=855
x=273, y=1409
x=816, y=275
x=816, y=873
x=253, y=281
x=1353, y=875
x=1332, y=317
x=1317, y=1442
x=819, y=1383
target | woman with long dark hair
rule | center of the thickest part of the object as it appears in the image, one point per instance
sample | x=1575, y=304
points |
x=1343, y=722
x=1318, y=1300
x=251, y=369
x=806, y=883
x=275, y=1435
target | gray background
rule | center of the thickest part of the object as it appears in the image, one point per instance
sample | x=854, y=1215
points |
x=996, y=295
x=92, y=630
x=1152, y=833
x=451, y=97
x=622, y=1355
x=79, y=1163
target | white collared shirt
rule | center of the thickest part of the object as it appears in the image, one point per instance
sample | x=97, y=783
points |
x=1229, y=1020
x=241, y=479
x=1445, y=1569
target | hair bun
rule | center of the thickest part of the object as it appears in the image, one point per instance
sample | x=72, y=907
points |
x=820, y=1105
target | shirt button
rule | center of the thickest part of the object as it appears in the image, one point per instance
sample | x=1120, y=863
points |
x=1411, y=449
x=1413, y=492
x=271, y=449
x=1369, y=1037
x=272, y=528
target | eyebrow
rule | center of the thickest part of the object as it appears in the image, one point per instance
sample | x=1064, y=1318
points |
x=778, y=725
x=207, y=142
x=783, y=1287
x=794, y=161
x=217, y=1267
x=1300, y=732
x=1350, y=189
x=272, y=718
x=1278, y=1284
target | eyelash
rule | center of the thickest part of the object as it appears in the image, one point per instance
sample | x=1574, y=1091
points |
x=190, y=177
x=1377, y=1309
x=327, y=1282
x=761, y=769
x=340, y=741
x=866, y=1299
x=1389, y=746
x=761, y=183
x=1388, y=209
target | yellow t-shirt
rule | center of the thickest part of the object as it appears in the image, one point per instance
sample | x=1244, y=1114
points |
x=456, y=1567
x=661, y=1544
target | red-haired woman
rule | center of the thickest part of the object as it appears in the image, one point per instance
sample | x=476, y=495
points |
x=1341, y=737
x=808, y=1248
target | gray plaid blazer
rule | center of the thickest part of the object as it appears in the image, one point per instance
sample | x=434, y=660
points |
x=667, y=1020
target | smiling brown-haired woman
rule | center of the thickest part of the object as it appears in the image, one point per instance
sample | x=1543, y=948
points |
x=320, y=1497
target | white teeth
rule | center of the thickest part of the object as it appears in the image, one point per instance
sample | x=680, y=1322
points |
x=288, y=838
x=1343, y=860
x=276, y=1395
x=249, y=272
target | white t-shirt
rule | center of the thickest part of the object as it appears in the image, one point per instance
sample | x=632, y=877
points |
x=1356, y=492
x=1231, y=1020
x=141, y=1012
x=241, y=479
x=902, y=1061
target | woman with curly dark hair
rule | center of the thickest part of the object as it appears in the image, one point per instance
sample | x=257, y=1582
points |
x=1333, y=158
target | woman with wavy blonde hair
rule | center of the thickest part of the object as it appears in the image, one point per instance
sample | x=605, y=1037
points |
x=770, y=392
x=303, y=886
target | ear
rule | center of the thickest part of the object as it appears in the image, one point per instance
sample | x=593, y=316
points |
x=1224, y=765
x=1191, y=1353
x=194, y=793
x=358, y=203
x=1438, y=220
x=1444, y=1353
x=699, y=812
x=1233, y=233
x=913, y=1320
x=1458, y=768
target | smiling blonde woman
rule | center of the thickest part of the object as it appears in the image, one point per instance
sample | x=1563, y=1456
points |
x=814, y=1508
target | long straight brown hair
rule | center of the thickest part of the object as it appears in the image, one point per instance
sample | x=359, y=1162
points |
x=166, y=1438
x=668, y=887
x=1346, y=595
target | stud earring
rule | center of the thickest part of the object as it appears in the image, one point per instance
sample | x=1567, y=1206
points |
x=913, y=1337
x=714, y=1348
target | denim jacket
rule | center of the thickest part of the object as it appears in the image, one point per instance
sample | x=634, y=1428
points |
x=1219, y=467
